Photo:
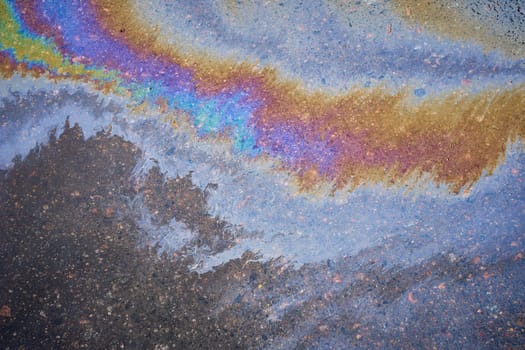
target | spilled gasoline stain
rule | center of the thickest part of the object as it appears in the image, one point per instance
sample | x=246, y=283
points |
x=477, y=20
x=359, y=137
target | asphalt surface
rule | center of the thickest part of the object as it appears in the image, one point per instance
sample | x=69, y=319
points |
x=262, y=174
x=76, y=272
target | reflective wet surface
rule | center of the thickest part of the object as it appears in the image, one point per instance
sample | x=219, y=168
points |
x=205, y=175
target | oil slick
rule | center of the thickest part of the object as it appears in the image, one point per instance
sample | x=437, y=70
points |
x=493, y=24
x=301, y=163
x=358, y=137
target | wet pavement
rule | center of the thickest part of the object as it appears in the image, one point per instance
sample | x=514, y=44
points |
x=76, y=274
x=249, y=175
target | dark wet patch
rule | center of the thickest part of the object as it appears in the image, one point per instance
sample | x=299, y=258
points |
x=181, y=200
x=73, y=276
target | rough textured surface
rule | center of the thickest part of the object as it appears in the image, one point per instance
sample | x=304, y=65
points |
x=262, y=175
x=73, y=277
